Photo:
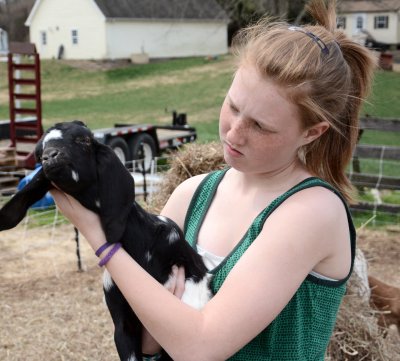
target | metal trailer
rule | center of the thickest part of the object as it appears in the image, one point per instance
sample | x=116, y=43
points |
x=146, y=141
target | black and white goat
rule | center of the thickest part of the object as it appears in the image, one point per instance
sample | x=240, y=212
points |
x=90, y=172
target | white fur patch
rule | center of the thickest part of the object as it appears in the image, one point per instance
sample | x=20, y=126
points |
x=198, y=294
x=108, y=282
x=132, y=358
x=97, y=202
x=148, y=256
x=163, y=219
x=53, y=134
x=75, y=176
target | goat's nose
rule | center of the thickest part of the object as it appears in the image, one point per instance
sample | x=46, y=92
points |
x=50, y=154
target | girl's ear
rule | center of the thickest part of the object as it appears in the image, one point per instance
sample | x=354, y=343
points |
x=315, y=132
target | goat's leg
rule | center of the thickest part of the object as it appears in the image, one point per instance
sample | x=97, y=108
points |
x=15, y=209
x=128, y=329
x=128, y=341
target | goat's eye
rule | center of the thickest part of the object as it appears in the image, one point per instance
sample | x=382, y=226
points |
x=83, y=140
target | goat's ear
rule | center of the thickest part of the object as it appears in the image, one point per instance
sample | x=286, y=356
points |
x=79, y=122
x=39, y=150
x=15, y=209
x=116, y=191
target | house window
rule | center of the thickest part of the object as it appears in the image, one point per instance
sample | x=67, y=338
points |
x=43, y=38
x=341, y=22
x=381, y=22
x=360, y=22
x=74, y=34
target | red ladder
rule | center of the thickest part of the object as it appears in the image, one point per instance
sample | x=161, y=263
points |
x=25, y=101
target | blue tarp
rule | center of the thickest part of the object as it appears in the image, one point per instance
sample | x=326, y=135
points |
x=47, y=200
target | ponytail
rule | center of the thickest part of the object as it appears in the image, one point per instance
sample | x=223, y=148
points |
x=325, y=74
x=335, y=148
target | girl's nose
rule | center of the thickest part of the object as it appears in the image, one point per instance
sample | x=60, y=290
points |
x=236, y=132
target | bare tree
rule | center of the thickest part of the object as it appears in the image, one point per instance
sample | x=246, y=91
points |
x=13, y=14
x=241, y=12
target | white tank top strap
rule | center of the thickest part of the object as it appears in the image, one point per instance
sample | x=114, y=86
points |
x=212, y=261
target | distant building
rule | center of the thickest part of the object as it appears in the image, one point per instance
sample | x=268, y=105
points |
x=371, y=20
x=103, y=29
x=3, y=41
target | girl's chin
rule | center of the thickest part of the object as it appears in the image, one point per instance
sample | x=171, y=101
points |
x=235, y=163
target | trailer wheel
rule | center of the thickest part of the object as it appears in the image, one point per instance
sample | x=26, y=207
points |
x=142, y=147
x=120, y=148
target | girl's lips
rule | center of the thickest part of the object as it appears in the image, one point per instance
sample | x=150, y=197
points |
x=232, y=151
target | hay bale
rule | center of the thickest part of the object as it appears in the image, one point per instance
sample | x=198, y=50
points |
x=357, y=335
x=193, y=159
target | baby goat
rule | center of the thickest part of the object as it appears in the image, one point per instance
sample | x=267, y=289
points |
x=385, y=298
x=90, y=172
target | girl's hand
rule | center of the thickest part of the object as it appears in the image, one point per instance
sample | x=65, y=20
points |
x=175, y=285
x=82, y=218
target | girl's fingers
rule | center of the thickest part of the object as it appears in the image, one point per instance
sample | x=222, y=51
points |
x=176, y=281
x=180, y=283
x=171, y=283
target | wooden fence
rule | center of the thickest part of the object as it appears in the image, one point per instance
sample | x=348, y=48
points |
x=378, y=181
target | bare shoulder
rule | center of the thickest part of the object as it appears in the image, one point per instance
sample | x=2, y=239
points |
x=319, y=201
x=315, y=207
x=179, y=200
x=313, y=223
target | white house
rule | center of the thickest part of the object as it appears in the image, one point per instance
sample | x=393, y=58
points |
x=116, y=29
x=3, y=42
x=380, y=19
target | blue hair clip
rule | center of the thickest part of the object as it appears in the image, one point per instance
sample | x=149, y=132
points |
x=314, y=37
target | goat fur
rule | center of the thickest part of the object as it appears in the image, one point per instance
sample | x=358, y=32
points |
x=385, y=298
x=89, y=171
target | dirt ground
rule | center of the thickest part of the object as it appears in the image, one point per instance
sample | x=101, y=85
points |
x=50, y=311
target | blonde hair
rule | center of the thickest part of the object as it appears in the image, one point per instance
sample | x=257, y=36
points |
x=324, y=73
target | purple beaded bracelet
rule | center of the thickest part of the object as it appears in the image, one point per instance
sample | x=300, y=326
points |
x=115, y=248
x=102, y=248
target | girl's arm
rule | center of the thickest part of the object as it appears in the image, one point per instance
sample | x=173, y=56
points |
x=253, y=294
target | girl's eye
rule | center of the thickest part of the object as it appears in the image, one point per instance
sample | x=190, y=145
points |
x=233, y=108
x=261, y=128
x=258, y=126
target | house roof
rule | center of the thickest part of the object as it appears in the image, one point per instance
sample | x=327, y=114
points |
x=154, y=9
x=162, y=9
x=356, y=6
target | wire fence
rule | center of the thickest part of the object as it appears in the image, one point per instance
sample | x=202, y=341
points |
x=147, y=183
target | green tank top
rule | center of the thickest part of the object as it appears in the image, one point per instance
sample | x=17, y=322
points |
x=303, y=328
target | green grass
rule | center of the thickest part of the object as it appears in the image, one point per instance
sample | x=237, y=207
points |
x=153, y=69
x=44, y=217
x=374, y=220
x=134, y=94
x=381, y=137
x=148, y=94
x=387, y=168
x=384, y=101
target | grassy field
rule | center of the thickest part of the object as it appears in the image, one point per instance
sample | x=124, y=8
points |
x=100, y=96
x=148, y=94
x=134, y=94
